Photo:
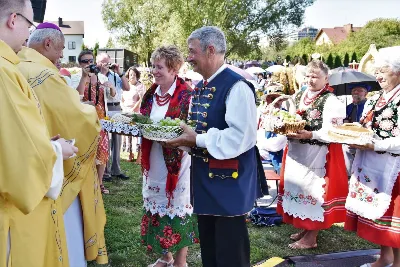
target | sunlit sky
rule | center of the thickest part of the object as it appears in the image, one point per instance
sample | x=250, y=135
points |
x=322, y=14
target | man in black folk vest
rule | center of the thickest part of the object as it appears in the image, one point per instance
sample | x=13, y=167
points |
x=224, y=163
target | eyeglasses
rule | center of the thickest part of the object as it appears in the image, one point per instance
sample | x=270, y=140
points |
x=87, y=61
x=27, y=20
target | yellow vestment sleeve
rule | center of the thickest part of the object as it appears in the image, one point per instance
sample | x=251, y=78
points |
x=66, y=115
x=26, y=154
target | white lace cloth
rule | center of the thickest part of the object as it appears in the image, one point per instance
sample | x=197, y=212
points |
x=120, y=128
x=371, y=183
x=154, y=196
x=304, y=181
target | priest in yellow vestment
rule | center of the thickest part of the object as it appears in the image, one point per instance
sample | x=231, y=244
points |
x=80, y=203
x=30, y=166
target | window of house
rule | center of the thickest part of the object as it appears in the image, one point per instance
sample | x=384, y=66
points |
x=72, y=58
x=71, y=45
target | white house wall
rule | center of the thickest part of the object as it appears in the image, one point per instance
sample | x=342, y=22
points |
x=78, y=39
x=323, y=39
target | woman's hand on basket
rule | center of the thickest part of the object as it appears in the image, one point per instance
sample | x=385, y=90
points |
x=303, y=134
x=188, y=138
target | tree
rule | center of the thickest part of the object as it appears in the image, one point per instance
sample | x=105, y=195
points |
x=110, y=43
x=303, y=46
x=354, y=57
x=329, y=61
x=84, y=47
x=288, y=58
x=346, y=60
x=95, y=49
x=146, y=24
x=305, y=58
x=298, y=60
x=338, y=62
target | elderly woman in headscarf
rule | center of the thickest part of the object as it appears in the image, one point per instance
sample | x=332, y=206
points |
x=373, y=202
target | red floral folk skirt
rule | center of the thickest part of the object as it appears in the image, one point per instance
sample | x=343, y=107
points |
x=163, y=234
x=336, y=189
x=384, y=231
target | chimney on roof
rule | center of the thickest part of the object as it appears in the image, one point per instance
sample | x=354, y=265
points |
x=348, y=28
x=60, y=22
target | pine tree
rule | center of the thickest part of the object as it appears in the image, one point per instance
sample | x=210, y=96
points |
x=346, y=60
x=305, y=58
x=354, y=57
x=338, y=62
x=329, y=61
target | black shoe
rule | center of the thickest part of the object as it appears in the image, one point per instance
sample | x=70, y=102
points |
x=122, y=176
x=106, y=177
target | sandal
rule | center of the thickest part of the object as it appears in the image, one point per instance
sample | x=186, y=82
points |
x=104, y=190
x=167, y=264
x=298, y=245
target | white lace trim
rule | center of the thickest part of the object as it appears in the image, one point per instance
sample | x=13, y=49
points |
x=304, y=181
x=120, y=128
x=362, y=198
x=172, y=211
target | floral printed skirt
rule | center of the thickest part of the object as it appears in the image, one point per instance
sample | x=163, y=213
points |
x=384, y=231
x=102, y=149
x=163, y=234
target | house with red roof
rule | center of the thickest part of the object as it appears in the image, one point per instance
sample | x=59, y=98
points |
x=331, y=36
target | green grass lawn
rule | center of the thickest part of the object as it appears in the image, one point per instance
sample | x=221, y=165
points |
x=124, y=211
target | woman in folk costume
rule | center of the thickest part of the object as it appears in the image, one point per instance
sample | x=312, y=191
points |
x=167, y=224
x=96, y=93
x=373, y=202
x=313, y=186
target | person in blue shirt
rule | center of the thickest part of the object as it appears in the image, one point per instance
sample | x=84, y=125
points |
x=354, y=110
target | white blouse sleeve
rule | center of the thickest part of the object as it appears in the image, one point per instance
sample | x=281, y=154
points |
x=58, y=173
x=334, y=113
x=241, y=117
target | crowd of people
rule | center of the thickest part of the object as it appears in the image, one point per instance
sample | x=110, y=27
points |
x=55, y=155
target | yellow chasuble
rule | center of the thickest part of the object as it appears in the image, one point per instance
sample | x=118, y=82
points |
x=66, y=115
x=26, y=161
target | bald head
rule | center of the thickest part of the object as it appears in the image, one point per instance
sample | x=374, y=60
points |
x=49, y=42
x=103, y=60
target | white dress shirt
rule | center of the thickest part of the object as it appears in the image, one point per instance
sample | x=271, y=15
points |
x=241, y=117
